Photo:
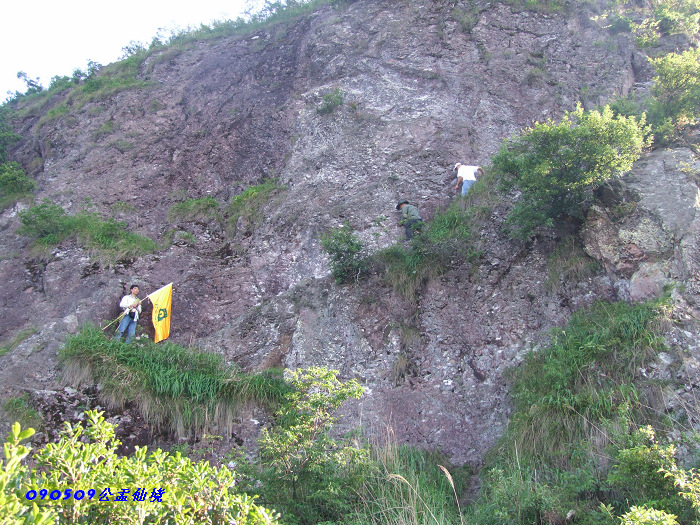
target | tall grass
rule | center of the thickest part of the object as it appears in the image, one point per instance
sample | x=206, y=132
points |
x=590, y=370
x=21, y=409
x=204, y=209
x=19, y=338
x=411, y=487
x=576, y=403
x=569, y=263
x=181, y=389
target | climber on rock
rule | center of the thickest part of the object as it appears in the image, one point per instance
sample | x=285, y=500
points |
x=410, y=218
x=466, y=176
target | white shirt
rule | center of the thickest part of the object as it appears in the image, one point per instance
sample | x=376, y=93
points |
x=126, y=303
x=467, y=172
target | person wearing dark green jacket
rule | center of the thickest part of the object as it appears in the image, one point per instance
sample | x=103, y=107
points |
x=410, y=218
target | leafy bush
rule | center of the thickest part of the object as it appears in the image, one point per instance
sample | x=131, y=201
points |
x=330, y=101
x=646, y=516
x=14, y=507
x=344, y=248
x=49, y=225
x=667, y=17
x=155, y=487
x=14, y=184
x=310, y=476
x=676, y=93
x=7, y=136
x=637, y=475
x=556, y=165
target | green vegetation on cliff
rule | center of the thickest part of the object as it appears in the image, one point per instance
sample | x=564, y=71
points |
x=181, y=389
x=82, y=480
x=49, y=225
x=556, y=165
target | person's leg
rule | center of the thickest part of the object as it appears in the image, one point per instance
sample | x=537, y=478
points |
x=131, y=330
x=122, y=326
x=466, y=185
x=410, y=225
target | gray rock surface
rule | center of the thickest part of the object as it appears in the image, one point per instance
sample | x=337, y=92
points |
x=424, y=85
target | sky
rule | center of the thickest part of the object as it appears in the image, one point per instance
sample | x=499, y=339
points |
x=45, y=38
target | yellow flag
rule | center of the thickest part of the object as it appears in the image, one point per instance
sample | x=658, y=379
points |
x=162, y=304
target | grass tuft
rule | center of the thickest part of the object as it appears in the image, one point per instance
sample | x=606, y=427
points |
x=50, y=225
x=249, y=205
x=18, y=339
x=444, y=242
x=177, y=388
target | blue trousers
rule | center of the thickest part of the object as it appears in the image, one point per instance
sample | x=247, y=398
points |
x=466, y=184
x=127, y=325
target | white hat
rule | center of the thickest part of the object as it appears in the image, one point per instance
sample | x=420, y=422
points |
x=457, y=166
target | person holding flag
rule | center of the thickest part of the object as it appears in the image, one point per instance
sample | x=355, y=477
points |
x=162, y=306
x=130, y=316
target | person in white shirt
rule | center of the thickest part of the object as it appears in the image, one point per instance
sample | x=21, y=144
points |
x=132, y=308
x=466, y=176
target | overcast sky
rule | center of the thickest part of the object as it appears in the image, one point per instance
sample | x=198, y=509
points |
x=45, y=38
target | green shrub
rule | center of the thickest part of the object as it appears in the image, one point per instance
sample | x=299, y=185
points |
x=48, y=223
x=676, y=91
x=156, y=487
x=181, y=389
x=7, y=136
x=556, y=165
x=14, y=184
x=14, y=507
x=308, y=474
x=637, y=476
x=646, y=516
x=249, y=205
x=330, y=101
x=667, y=17
x=344, y=248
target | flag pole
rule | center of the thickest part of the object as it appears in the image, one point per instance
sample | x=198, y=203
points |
x=121, y=316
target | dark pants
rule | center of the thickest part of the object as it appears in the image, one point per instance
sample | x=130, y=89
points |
x=412, y=226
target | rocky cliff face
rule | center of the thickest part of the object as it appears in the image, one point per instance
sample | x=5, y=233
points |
x=424, y=84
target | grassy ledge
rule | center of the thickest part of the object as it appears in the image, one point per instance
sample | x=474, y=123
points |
x=180, y=389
